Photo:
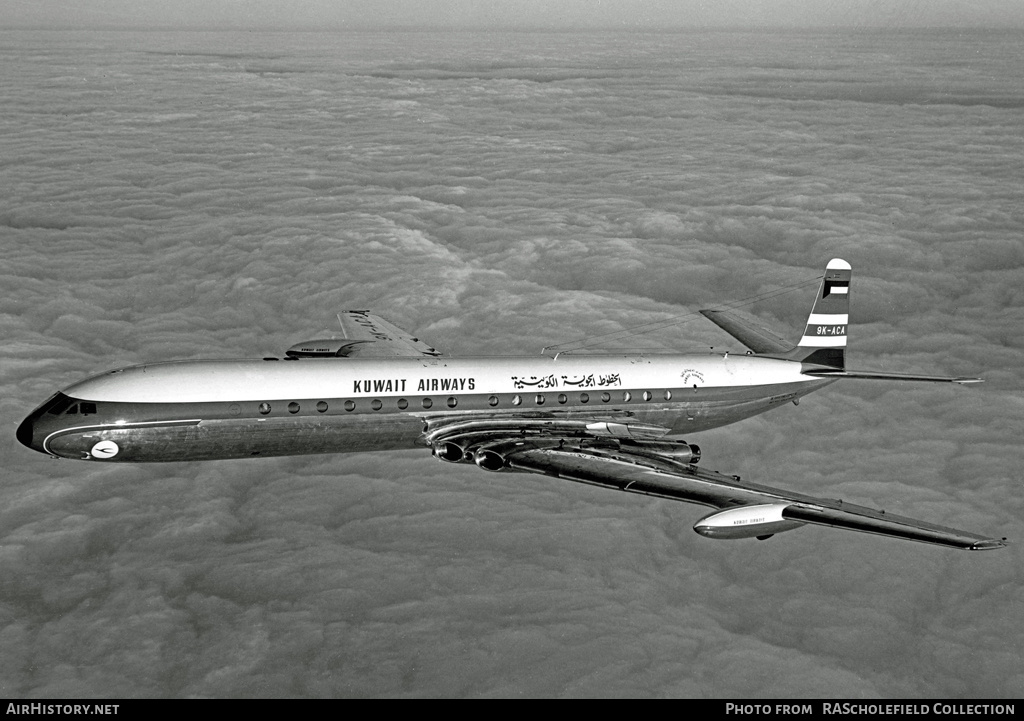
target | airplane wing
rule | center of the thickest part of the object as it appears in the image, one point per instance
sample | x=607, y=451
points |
x=619, y=455
x=748, y=333
x=374, y=337
x=365, y=336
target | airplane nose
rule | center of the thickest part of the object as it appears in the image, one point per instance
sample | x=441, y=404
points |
x=52, y=407
x=25, y=431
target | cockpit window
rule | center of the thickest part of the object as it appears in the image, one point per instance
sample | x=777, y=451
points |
x=83, y=408
x=58, y=404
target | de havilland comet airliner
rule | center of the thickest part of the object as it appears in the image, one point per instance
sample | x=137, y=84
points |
x=607, y=420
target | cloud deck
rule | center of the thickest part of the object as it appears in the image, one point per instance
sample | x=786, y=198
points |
x=223, y=195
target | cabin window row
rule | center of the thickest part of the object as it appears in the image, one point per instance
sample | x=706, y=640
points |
x=538, y=399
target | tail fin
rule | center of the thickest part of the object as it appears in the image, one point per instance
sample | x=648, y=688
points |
x=824, y=338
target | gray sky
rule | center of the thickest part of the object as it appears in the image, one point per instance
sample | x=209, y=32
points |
x=645, y=14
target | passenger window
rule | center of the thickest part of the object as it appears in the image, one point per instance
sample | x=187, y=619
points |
x=627, y=396
x=605, y=397
x=264, y=408
x=492, y=401
x=321, y=406
x=403, y=404
x=350, y=405
x=562, y=398
x=376, y=404
x=668, y=395
x=452, y=402
x=293, y=407
x=647, y=395
x=427, y=403
x=516, y=400
x=584, y=398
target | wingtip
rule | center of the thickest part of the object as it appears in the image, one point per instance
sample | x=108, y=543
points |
x=989, y=544
x=965, y=381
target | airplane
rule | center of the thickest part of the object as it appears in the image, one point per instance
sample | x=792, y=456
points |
x=615, y=421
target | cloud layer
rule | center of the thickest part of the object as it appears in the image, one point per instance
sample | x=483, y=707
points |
x=656, y=15
x=220, y=195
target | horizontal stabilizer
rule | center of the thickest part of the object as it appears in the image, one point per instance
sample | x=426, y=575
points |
x=877, y=376
x=746, y=332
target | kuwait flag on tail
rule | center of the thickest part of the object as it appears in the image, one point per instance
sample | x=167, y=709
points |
x=836, y=287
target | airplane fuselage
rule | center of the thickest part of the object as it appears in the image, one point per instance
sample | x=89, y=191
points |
x=205, y=410
x=612, y=421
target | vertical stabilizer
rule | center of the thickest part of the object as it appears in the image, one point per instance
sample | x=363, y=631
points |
x=824, y=338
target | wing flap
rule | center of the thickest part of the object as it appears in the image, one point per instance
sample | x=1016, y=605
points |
x=753, y=336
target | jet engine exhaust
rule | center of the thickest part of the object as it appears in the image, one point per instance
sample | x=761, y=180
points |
x=490, y=460
x=449, y=452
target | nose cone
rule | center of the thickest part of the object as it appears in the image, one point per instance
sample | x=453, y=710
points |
x=25, y=431
x=33, y=430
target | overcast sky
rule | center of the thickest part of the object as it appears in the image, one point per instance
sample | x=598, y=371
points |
x=189, y=195
x=564, y=14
